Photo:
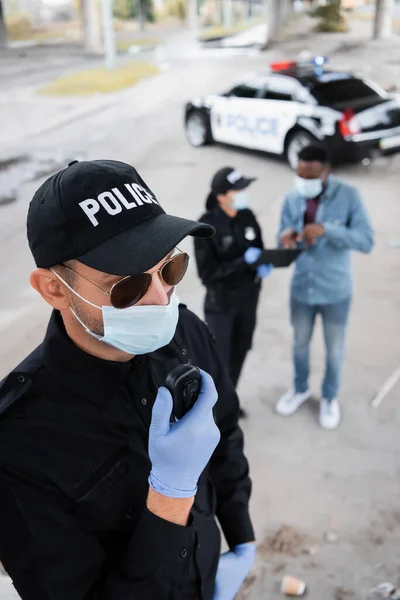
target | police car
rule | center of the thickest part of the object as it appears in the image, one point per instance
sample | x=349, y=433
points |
x=294, y=104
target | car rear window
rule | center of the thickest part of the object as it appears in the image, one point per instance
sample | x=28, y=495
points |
x=332, y=93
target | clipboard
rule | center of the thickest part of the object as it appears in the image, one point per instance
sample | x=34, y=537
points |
x=279, y=257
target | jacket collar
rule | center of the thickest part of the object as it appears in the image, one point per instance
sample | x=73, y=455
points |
x=93, y=378
x=331, y=188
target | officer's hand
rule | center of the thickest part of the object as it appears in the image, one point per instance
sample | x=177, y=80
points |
x=251, y=255
x=179, y=452
x=289, y=238
x=264, y=271
x=233, y=568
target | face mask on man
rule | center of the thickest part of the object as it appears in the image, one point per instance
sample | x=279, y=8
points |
x=309, y=188
x=241, y=200
x=136, y=329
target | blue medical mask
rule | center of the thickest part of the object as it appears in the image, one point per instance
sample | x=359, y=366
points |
x=241, y=200
x=136, y=329
x=309, y=188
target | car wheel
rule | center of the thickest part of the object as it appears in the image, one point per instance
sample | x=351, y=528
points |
x=197, y=130
x=296, y=143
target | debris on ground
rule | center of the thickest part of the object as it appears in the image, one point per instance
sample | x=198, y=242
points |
x=278, y=568
x=246, y=588
x=312, y=550
x=331, y=537
x=342, y=593
x=387, y=590
x=292, y=586
x=285, y=541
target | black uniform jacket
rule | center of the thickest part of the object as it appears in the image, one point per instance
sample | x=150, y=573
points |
x=220, y=259
x=74, y=470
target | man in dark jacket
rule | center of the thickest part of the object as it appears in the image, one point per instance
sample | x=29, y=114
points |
x=103, y=494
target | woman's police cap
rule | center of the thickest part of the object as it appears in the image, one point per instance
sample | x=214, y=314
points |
x=102, y=214
x=227, y=179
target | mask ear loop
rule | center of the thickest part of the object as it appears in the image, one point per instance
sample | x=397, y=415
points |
x=85, y=327
x=73, y=291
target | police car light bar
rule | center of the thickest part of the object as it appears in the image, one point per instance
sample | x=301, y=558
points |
x=319, y=61
x=285, y=65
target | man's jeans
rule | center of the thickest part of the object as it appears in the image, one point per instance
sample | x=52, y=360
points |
x=334, y=319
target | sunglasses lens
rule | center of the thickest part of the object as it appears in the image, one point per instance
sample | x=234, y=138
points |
x=174, y=270
x=130, y=290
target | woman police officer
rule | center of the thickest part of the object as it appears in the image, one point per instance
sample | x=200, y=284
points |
x=226, y=266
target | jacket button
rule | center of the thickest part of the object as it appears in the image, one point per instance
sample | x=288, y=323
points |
x=190, y=361
x=21, y=379
x=184, y=553
x=144, y=401
x=128, y=515
x=184, y=351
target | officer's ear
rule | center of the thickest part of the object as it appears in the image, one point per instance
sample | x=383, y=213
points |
x=50, y=288
x=222, y=198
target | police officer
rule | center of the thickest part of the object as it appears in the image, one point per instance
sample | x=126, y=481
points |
x=226, y=267
x=102, y=495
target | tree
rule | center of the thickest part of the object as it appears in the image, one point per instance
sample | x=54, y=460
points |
x=331, y=17
x=383, y=26
x=91, y=26
x=132, y=9
x=3, y=30
x=277, y=13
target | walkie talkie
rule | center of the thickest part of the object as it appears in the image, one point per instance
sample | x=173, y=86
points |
x=184, y=384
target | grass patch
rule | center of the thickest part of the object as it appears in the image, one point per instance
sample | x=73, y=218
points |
x=99, y=80
x=220, y=32
x=144, y=43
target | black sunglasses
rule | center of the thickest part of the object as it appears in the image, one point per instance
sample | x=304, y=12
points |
x=129, y=290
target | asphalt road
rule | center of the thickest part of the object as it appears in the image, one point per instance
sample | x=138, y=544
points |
x=346, y=481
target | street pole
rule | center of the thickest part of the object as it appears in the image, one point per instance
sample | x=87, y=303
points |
x=192, y=14
x=383, y=26
x=91, y=27
x=140, y=11
x=250, y=10
x=108, y=34
x=274, y=16
x=227, y=13
x=3, y=30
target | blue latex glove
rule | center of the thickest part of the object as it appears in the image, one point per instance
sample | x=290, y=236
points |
x=233, y=568
x=179, y=452
x=264, y=271
x=251, y=255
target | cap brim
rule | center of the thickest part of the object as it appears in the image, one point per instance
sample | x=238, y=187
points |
x=243, y=183
x=138, y=249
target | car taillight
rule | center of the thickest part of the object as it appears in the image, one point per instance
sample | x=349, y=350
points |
x=348, y=123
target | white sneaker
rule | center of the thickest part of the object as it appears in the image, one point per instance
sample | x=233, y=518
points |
x=329, y=414
x=290, y=402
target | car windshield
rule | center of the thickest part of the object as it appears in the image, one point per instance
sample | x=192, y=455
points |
x=333, y=93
